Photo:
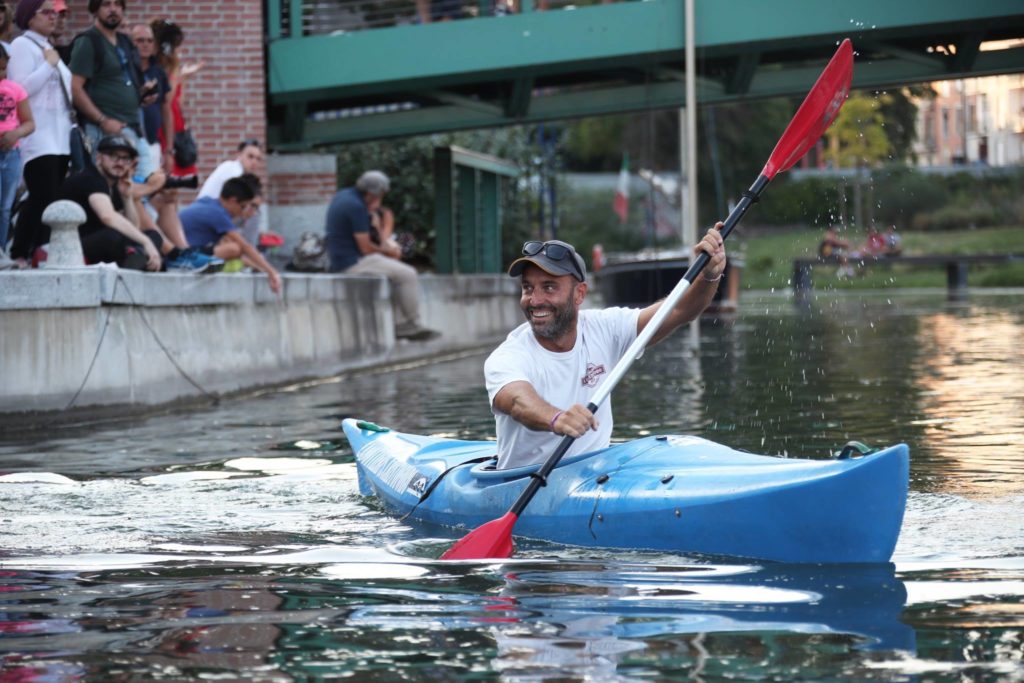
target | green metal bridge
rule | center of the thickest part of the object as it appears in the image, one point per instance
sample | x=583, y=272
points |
x=349, y=70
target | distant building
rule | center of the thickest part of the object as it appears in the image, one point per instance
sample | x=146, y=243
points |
x=977, y=121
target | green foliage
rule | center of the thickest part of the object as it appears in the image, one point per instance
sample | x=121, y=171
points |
x=957, y=217
x=586, y=218
x=902, y=193
x=734, y=141
x=999, y=276
x=812, y=201
x=899, y=112
x=595, y=144
x=904, y=197
x=857, y=137
x=770, y=256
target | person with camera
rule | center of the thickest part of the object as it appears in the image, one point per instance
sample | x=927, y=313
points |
x=108, y=88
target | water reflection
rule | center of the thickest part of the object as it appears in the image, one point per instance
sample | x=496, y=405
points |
x=528, y=618
x=970, y=381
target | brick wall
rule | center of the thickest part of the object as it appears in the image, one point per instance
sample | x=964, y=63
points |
x=291, y=189
x=225, y=102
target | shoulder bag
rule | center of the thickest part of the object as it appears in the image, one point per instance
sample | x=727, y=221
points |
x=81, y=155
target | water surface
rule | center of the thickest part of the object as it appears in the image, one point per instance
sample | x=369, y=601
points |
x=230, y=542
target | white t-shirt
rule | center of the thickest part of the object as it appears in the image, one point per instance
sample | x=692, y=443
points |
x=561, y=379
x=225, y=171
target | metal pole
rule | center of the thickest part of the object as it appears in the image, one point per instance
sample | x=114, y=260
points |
x=690, y=205
x=690, y=223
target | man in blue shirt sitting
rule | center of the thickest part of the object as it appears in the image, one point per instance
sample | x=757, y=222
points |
x=352, y=249
x=209, y=226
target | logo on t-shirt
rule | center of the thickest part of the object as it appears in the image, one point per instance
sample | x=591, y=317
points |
x=8, y=107
x=593, y=373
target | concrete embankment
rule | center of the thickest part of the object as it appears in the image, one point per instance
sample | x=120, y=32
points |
x=98, y=337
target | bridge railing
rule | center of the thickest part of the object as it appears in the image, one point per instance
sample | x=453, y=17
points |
x=333, y=17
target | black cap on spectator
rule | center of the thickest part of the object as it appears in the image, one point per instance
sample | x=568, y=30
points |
x=112, y=143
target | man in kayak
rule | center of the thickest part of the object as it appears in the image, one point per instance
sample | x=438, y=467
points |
x=540, y=379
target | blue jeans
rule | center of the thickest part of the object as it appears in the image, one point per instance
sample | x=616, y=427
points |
x=10, y=178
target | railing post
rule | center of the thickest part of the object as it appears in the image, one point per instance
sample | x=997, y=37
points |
x=64, y=217
x=490, y=222
x=295, y=19
x=956, y=275
x=444, y=211
x=802, y=277
x=467, y=223
x=274, y=19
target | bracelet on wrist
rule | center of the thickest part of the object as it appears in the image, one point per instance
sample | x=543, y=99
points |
x=555, y=419
x=715, y=279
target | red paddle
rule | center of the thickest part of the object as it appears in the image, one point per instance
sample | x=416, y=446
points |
x=819, y=109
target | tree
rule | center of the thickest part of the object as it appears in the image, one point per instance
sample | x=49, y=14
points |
x=900, y=112
x=857, y=140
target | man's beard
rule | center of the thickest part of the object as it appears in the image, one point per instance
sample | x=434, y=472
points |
x=112, y=21
x=558, y=324
x=113, y=176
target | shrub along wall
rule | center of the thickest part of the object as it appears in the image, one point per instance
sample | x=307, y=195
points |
x=901, y=196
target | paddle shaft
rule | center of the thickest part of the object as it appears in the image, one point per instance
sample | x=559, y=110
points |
x=639, y=344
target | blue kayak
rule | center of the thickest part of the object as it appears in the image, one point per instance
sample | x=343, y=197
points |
x=669, y=493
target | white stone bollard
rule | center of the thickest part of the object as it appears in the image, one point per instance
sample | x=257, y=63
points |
x=65, y=250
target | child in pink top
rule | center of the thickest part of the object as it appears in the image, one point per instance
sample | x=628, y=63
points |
x=15, y=123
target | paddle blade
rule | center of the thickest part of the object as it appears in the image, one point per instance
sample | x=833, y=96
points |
x=491, y=540
x=816, y=114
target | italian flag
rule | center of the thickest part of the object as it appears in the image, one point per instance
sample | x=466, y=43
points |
x=622, y=191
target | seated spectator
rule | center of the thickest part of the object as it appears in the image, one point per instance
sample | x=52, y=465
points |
x=874, y=245
x=893, y=242
x=351, y=250
x=382, y=231
x=178, y=255
x=45, y=154
x=15, y=123
x=832, y=245
x=209, y=226
x=108, y=236
x=248, y=160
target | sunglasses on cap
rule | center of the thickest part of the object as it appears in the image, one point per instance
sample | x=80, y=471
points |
x=555, y=252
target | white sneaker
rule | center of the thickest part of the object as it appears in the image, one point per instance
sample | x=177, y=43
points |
x=5, y=261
